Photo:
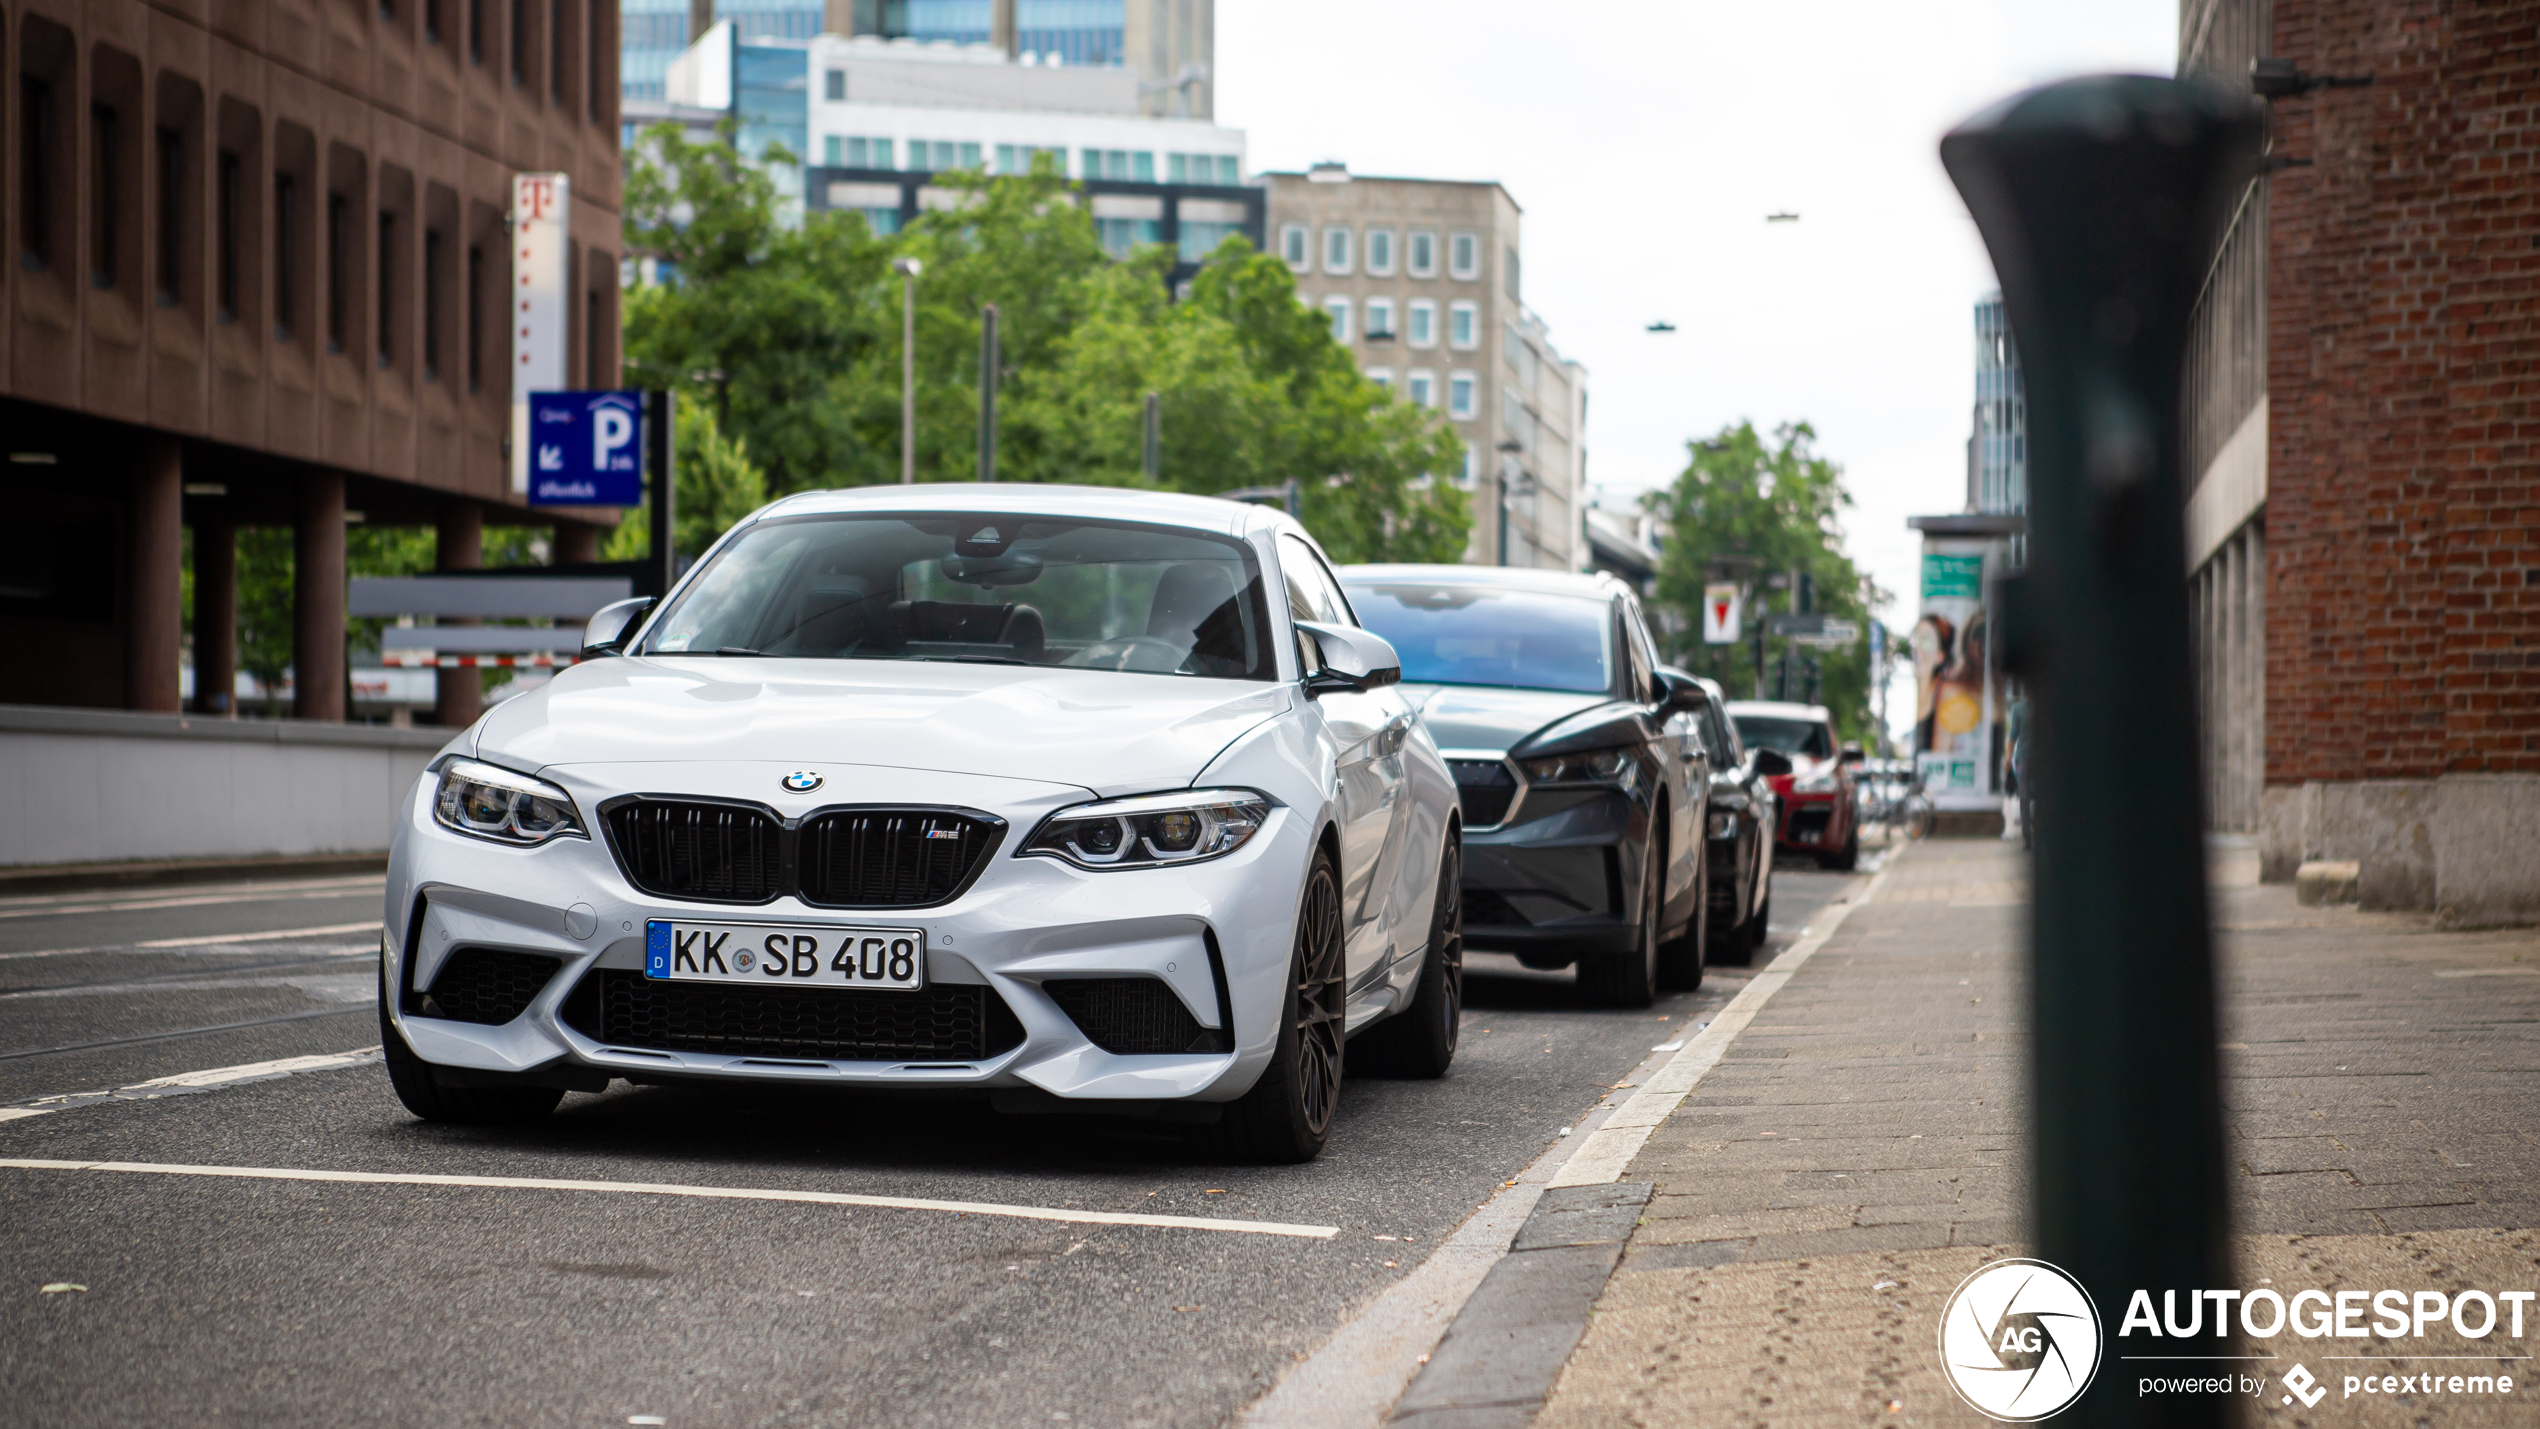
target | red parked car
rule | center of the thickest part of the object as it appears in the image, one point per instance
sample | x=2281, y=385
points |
x=1819, y=815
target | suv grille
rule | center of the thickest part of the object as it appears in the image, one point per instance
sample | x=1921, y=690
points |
x=949, y=1022
x=1487, y=787
x=877, y=858
x=490, y=986
x=712, y=853
x=1132, y=1015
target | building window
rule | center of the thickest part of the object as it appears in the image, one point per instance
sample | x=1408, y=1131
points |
x=1292, y=246
x=1423, y=328
x=1424, y=253
x=1512, y=273
x=520, y=43
x=1381, y=376
x=1421, y=387
x=1336, y=250
x=474, y=332
x=338, y=270
x=1464, y=256
x=1463, y=326
x=833, y=151
x=387, y=287
x=1379, y=318
x=1118, y=164
x=225, y=193
x=476, y=32
x=432, y=22
x=1380, y=252
x=1122, y=236
x=1339, y=309
x=1460, y=390
x=1019, y=158
x=836, y=84
x=35, y=172
x=1472, y=476
x=104, y=130
x=1222, y=170
x=434, y=286
x=171, y=217
x=865, y=153
x=285, y=198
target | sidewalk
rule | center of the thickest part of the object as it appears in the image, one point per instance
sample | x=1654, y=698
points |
x=1859, y=1150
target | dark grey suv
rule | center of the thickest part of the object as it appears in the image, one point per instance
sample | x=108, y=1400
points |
x=1585, y=808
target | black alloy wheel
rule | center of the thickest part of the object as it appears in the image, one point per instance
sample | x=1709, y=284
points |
x=1288, y=1113
x=1631, y=979
x=1682, y=962
x=1420, y=1040
x=425, y=1095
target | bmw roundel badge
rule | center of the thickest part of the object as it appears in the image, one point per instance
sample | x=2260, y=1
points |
x=801, y=781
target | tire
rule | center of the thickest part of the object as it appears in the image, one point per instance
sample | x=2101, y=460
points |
x=1682, y=962
x=1845, y=859
x=1287, y=1115
x=1419, y=1041
x=1760, y=927
x=1631, y=979
x=425, y=1096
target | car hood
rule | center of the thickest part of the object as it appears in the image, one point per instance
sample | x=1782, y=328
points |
x=1480, y=717
x=1110, y=732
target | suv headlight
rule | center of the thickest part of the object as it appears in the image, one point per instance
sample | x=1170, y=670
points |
x=1821, y=782
x=1613, y=767
x=497, y=804
x=1150, y=831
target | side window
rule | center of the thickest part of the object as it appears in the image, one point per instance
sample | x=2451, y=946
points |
x=1644, y=660
x=1312, y=592
x=1724, y=737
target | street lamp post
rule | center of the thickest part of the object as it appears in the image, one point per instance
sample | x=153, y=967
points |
x=908, y=269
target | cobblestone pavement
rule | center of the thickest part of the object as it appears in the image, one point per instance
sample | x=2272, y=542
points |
x=1860, y=1150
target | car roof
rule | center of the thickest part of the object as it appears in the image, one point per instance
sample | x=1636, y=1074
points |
x=1103, y=503
x=1596, y=585
x=1781, y=709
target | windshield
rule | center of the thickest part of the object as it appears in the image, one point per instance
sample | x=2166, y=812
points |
x=1473, y=635
x=1790, y=736
x=996, y=589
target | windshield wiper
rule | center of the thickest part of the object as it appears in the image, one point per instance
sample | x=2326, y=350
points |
x=971, y=659
x=741, y=650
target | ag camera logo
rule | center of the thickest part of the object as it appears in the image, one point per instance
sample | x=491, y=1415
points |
x=2019, y=1341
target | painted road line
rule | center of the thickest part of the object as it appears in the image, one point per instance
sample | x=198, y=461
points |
x=184, y=1032
x=713, y=1193
x=17, y=909
x=276, y=935
x=2490, y=972
x=182, y=977
x=192, y=1083
x=1605, y=1154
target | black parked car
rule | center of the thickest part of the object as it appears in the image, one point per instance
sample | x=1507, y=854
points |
x=1743, y=819
x=1583, y=812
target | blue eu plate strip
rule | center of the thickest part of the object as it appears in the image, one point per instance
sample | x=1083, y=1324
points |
x=656, y=948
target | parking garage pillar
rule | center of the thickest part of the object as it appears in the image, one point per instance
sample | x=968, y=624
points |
x=317, y=599
x=154, y=593
x=576, y=543
x=215, y=618
x=458, y=695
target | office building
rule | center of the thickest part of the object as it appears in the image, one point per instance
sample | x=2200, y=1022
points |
x=1997, y=444
x=2364, y=570
x=255, y=274
x=1420, y=279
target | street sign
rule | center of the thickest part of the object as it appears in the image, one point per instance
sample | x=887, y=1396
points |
x=1795, y=626
x=539, y=306
x=586, y=448
x=1720, y=613
x=1829, y=634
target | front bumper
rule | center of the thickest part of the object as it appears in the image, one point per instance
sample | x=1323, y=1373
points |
x=1562, y=884
x=1813, y=822
x=1216, y=934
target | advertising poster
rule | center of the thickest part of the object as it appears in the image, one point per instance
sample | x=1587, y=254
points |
x=1955, y=703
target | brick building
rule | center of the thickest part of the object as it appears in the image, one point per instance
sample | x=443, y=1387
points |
x=254, y=273
x=2364, y=517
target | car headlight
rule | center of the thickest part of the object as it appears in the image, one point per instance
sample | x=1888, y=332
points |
x=1723, y=825
x=1613, y=767
x=1818, y=783
x=1152, y=830
x=497, y=804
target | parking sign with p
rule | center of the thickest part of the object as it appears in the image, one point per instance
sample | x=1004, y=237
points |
x=586, y=448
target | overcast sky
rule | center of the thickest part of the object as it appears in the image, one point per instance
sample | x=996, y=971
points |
x=1646, y=140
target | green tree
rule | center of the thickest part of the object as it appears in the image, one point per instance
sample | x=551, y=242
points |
x=1747, y=508
x=791, y=336
x=718, y=485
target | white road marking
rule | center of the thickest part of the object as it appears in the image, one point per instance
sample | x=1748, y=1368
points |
x=32, y=908
x=275, y=935
x=715, y=1193
x=2491, y=972
x=189, y=1083
x=1602, y=1158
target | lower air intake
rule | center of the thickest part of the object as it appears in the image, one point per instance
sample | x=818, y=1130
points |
x=1487, y=789
x=490, y=986
x=948, y=1023
x=1132, y=1016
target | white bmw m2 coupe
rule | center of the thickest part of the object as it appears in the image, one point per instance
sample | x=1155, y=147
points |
x=1082, y=798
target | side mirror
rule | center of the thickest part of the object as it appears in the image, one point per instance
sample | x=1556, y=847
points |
x=611, y=625
x=1678, y=693
x=1852, y=754
x=1771, y=763
x=1341, y=657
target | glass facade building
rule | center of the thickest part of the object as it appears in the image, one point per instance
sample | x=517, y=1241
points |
x=651, y=33
x=1997, y=452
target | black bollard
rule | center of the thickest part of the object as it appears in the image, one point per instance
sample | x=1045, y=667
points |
x=2100, y=200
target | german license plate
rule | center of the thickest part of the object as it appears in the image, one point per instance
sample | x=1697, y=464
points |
x=786, y=955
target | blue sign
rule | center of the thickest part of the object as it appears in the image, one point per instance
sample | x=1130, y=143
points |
x=586, y=448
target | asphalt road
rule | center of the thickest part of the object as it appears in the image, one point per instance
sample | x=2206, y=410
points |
x=264, y=1301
